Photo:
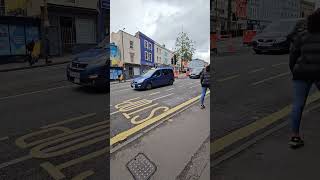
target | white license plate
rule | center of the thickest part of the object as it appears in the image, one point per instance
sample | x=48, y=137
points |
x=76, y=80
x=75, y=74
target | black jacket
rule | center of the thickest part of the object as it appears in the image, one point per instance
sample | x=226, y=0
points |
x=305, y=57
x=205, y=78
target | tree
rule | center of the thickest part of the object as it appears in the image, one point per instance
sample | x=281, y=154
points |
x=184, y=47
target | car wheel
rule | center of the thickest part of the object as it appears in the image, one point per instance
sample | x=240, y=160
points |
x=171, y=82
x=149, y=86
x=257, y=51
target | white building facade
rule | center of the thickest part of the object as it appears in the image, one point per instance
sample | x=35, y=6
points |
x=130, y=55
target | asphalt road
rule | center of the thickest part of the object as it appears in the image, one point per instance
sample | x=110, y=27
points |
x=51, y=129
x=130, y=108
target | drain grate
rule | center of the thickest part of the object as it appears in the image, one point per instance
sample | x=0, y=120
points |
x=141, y=167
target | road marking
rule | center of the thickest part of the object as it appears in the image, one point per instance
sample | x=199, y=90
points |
x=270, y=78
x=4, y=138
x=228, y=78
x=279, y=64
x=161, y=97
x=114, y=113
x=194, y=86
x=69, y=120
x=116, y=91
x=246, y=131
x=125, y=134
x=83, y=175
x=154, y=93
x=169, y=89
x=15, y=161
x=139, y=110
x=256, y=70
x=35, y=92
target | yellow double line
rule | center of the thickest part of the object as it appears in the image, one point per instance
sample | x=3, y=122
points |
x=222, y=143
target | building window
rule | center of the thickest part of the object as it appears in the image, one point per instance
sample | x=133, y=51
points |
x=145, y=44
x=150, y=57
x=149, y=46
x=131, y=44
x=131, y=57
x=146, y=55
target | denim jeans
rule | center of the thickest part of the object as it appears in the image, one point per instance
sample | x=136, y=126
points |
x=301, y=90
x=203, y=94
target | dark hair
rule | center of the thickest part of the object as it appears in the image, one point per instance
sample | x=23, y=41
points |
x=208, y=68
x=314, y=22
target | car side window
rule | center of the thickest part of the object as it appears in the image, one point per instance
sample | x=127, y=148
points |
x=165, y=72
x=157, y=74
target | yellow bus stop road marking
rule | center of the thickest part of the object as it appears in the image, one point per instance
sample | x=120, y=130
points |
x=125, y=134
x=246, y=131
x=4, y=138
x=69, y=120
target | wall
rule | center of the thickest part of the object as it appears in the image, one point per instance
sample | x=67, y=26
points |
x=143, y=38
x=135, y=50
x=158, y=49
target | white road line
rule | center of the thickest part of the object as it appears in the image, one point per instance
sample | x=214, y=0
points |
x=270, y=78
x=35, y=92
x=154, y=93
x=69, y=120
x=194, y=86
x=256, y=70
x=4, y=138
x=279, y=64
x=228, y=78
x=169, y=89
x=114, y=113
x=15, y=161
x=162, y=97
x=116, y=91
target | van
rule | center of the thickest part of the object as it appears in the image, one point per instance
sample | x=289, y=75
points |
x=154, y=78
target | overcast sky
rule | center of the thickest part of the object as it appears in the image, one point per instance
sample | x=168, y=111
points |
x=162, y=20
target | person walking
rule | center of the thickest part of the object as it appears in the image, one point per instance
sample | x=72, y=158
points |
x=30, y=47
x=205, y=84
x=305, y=68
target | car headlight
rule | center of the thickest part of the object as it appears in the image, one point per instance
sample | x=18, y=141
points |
x=281, y=39
x=140, y=81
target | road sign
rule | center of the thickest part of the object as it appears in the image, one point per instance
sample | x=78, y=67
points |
x=105, y=4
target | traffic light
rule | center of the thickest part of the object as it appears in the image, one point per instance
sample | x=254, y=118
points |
x=172, y=60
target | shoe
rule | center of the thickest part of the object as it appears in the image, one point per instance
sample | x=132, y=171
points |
x=296, y=142
x=202, y=106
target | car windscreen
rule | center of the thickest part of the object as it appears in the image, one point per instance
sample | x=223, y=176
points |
x=281, y=26
x=149, y=73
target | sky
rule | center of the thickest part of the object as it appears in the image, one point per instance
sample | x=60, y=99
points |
x=162, y=20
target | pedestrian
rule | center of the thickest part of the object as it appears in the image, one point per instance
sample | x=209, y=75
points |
x=305, y=69
x=30, y=47
x=205, y=84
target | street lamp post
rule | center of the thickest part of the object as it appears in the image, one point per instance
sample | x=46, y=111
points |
x=46, y=25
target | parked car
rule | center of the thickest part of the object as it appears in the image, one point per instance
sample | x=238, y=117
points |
x=196, y=73
x=276, y=36
x=90, y=68
x=154, y=78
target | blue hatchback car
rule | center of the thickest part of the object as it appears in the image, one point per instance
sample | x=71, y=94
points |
x=154, y=78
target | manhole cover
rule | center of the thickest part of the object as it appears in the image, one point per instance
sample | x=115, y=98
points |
x=141, y=167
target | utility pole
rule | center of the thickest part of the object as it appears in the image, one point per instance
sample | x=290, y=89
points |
x=46, y=25
x=229, y=15
x=217, y=14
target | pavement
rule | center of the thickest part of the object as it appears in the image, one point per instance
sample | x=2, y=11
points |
x=272, y=157
x=172, y=146
x=19, y=65
x=47, y=126
x=250, y=133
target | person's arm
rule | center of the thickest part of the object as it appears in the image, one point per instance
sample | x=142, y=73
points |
x=295, y=52
x=201, y=77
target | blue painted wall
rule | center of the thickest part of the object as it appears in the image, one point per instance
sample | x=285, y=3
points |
x=150, y=50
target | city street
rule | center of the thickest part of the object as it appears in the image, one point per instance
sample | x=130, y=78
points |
x=252, y=94
x=50, y=128
x=129, y=108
